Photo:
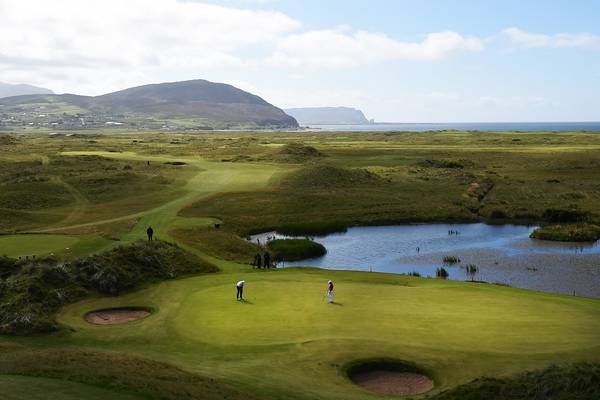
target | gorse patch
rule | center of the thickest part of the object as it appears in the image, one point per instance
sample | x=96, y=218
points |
x=32, y=290
x=572, y=382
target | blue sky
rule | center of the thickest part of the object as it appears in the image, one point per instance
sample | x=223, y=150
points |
x=404, y=61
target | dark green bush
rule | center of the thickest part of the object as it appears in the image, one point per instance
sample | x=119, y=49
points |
x=441, y=273
x=451, y=260
x=562, y=215
x=296, y=249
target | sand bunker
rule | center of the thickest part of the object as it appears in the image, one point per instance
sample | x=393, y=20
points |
x=391, y=379
x=116, y=316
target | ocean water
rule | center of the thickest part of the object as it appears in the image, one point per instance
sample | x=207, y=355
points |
x=466, y=126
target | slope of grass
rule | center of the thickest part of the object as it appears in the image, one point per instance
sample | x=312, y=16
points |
x=16, y=387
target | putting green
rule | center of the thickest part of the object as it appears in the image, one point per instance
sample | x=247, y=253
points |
x=14, y=387
x=455, y=331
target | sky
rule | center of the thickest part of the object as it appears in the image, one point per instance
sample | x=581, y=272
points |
x=396, y=60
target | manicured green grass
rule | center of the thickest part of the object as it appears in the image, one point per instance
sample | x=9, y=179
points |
x=287, y=331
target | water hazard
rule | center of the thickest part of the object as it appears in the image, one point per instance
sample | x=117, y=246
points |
x=502, y=253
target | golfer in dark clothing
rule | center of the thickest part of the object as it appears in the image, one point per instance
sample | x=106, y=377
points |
x=267, y=263
x=150, y=233
x=240, y=290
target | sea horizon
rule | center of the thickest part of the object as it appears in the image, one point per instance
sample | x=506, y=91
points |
x=566, y=126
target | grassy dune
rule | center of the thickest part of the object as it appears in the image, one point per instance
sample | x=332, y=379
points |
x=286, y=342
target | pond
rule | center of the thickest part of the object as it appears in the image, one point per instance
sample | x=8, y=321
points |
x=504, y=254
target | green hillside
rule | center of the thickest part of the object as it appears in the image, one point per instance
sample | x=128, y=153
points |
x=198, y=104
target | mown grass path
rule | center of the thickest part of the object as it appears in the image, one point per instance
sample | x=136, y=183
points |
x=210, y=178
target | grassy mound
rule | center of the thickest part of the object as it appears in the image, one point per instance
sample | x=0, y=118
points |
x=568, y=232
x=575, y=382
x=325, y=176
x=32, y=290
x=217, y=243
x=297, y=149
x=296, y=249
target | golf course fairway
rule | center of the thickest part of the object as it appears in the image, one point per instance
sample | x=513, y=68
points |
x=288, y=342
x=285, y=341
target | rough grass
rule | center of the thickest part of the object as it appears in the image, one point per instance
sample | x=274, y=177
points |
x=570, y=382
x=121, y=373
x=325, y=176
x=311, y=228
x=217, y=243
x=296, y=249
x=568, y=232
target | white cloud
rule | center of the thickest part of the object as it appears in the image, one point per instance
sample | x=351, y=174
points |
x=93, y=39
x=338, y=48
x=524, y=39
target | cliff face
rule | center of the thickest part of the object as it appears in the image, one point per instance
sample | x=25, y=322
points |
x=328, y=116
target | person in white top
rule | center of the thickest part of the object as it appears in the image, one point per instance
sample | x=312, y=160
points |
x=240, y=290
x=330, y=291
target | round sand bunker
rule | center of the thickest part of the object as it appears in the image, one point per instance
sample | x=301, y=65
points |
x=116, y=316
x=390, y=378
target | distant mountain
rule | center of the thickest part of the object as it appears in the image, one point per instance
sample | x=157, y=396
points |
x=328, y=116
x=8, y=90
x=188, y=104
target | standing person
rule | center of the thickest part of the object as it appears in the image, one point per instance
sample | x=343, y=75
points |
x=240, y=290
x=257, y=261
x=330, y=291
x=150, y=233
x=267, y=263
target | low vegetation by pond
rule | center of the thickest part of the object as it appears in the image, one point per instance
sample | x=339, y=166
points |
x=582, y=232
x=296, y=249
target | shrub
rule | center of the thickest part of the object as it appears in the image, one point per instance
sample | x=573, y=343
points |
x=578, y=381
x=441, y=273
x=296, y=249
x=471, y=270
x=498, y=214
x=560, y=215
x=451, y=260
